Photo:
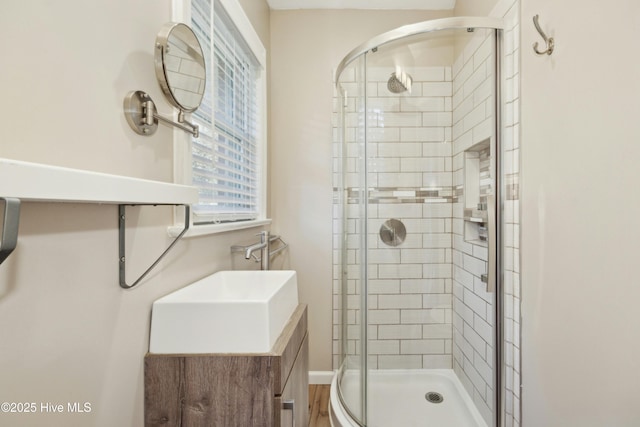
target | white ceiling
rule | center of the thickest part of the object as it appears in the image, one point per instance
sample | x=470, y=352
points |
x=362, y=4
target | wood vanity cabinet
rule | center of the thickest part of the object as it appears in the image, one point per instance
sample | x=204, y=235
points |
x=232, y=390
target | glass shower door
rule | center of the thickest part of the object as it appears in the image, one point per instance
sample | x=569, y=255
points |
x=351, y=206
x=418, y=161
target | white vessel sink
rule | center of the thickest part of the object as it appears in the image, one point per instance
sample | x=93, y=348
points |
x=227, y=312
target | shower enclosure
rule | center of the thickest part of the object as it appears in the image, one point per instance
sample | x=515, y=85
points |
x=418, y=228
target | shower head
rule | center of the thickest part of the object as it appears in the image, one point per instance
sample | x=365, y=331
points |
x=399, y=82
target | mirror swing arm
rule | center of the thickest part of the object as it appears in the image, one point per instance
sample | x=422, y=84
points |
x=180, y=70
x=181, y=123
x=143, y=117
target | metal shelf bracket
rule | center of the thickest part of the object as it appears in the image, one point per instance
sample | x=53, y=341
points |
x=121, y=246
x=10, y=224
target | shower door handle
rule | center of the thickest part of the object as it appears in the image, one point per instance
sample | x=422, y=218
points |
x=492, y=249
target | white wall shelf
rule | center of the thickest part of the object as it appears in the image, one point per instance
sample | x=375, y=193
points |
x=44, y=183
x=35, y=182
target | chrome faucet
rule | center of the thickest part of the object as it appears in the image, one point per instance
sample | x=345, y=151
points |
x=263, y=247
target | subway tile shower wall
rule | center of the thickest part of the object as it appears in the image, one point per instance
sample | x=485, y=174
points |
x=410, y=178
x=511, y=239
x=473, y=318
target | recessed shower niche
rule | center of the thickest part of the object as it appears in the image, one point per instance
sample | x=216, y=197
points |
x=477, y=186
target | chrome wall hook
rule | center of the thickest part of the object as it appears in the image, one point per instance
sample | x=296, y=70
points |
x=547, y=40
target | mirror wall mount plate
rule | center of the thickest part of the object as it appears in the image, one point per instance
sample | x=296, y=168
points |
x=139, y=110
x=181, y=73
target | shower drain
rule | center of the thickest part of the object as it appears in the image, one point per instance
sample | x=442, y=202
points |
x=434, y=397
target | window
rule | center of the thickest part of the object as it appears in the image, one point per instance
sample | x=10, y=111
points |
x=228, y=159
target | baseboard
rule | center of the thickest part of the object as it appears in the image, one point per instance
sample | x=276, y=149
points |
x=320, y=377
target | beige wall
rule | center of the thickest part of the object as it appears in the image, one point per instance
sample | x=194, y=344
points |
x=258, y=13
x=580, y=209
x=306, y=47
x=68, y=332
x=473, y=7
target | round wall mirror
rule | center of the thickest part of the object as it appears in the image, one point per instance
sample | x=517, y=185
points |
x=180, y=66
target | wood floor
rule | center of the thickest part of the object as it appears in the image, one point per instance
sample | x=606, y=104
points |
x=318, y=405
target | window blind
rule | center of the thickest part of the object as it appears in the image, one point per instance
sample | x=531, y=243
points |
x=225, y=158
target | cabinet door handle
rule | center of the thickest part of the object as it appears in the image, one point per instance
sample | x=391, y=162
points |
x=290, y=405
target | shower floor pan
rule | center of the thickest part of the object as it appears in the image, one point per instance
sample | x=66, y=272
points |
x=402, y=398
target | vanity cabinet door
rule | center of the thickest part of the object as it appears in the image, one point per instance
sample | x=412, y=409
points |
x=232, y=390
x=294, y=401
